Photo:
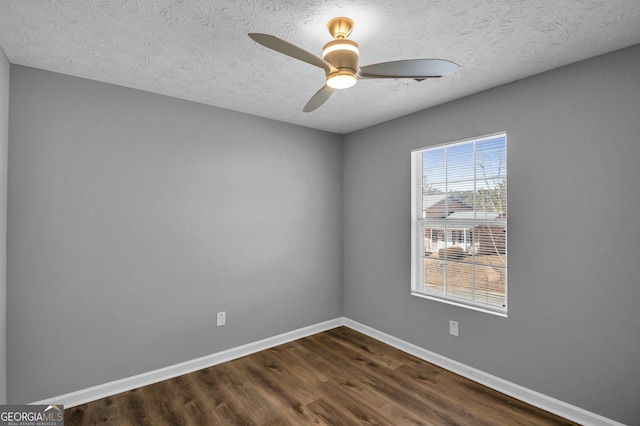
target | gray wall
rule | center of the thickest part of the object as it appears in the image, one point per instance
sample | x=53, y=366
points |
x=133, y=218
x=4, y=142
x=573, y=330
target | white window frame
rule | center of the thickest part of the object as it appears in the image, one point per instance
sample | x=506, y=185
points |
x=418, y=225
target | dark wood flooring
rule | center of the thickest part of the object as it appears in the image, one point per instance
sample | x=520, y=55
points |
x=338, y=377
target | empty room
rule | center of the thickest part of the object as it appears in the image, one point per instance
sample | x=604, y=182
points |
x=320, y=212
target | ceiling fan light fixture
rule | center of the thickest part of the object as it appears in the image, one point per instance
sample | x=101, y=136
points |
x=341, y=80
x=342, y=54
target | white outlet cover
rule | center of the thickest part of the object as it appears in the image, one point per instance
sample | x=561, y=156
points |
x=221, y=318
x=453, y=328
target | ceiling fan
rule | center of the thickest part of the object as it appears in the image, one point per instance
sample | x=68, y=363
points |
x=340, y=62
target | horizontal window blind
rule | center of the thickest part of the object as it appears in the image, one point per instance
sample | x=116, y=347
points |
x=459, y=223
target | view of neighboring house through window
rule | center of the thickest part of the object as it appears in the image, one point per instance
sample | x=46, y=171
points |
x=459, y=223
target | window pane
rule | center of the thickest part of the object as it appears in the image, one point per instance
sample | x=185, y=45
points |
x=434, y=170
x=490, y=285
x=434, y=205
x=490, y=242
x=491, y=169
x=459, y=158
x=433, y=240
x=459, y=268
x=434, y=275
x=434, y=183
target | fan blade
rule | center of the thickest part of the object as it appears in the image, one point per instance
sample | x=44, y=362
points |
x=292, y=50
x=318, y=99
x=409, y=68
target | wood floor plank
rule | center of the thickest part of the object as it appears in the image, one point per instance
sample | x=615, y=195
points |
x=369, y=344
x=424, y=402
x=225, y=407
x=485, y=401
x=338, y=377
x=163, y=407
x=304, y=366
x=429, y=406
x=287, y=400
x=379, y=352
x=74, y=416
x=247, y=393
x=275, y=366
x=403, y=417
x=133, y=408
x=356, y=404
x=341, y=378
x=332, y=413
x=104, y=412
x=101, y=412
x=188, y=400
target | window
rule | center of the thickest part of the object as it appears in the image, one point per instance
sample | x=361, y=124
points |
x=459, y=223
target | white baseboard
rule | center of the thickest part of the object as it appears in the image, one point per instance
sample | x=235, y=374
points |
x=101, y=391
x=529, y=396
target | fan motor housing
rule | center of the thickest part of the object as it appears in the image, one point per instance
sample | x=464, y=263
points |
x=342, y=54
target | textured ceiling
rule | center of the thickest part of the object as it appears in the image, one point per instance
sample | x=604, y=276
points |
x=199, y=49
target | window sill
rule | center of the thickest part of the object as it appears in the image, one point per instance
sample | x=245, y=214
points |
x=462, y=305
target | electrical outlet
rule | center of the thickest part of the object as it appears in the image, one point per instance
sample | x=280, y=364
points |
x=453, y=328
x=221, y=318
